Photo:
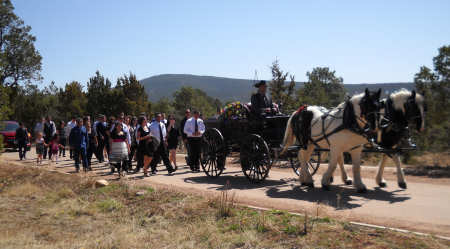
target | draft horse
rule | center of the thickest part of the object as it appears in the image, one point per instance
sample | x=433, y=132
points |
x=344, y=128
x=399, y=110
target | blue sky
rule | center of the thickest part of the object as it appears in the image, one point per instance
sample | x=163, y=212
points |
x=364, y=41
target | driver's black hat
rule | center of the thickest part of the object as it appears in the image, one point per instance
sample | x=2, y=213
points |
x=261, y=83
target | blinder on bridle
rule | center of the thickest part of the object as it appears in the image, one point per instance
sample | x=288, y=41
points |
x=370, y=109
x=412, y=110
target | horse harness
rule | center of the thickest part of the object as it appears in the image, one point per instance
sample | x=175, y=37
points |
x=397, y=120
x=350, y=125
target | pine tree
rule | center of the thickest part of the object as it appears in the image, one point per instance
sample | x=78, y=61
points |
x=281, y=91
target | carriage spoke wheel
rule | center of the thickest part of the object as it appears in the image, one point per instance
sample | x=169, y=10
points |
x=212, y=157
x=255, y=158
x=313, y=164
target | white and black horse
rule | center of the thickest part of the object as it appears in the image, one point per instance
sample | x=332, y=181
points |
x=398, y=110
x=343, y=129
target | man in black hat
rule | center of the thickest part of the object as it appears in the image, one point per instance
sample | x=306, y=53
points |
x=261, y=105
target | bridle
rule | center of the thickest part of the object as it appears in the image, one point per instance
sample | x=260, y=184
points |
x=369, y=118
x=397, y=120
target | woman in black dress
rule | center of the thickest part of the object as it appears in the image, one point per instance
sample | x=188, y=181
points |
x=146, y=146
x=172, y=140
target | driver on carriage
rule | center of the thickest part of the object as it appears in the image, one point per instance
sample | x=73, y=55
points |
x=261, y=105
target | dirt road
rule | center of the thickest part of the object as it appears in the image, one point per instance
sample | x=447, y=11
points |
x=424, y=206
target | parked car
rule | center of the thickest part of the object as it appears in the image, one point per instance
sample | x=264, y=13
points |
x=8, y=130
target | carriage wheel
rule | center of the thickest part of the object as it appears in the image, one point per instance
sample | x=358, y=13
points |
x=213, y=153
x=255, y=158
x=313, y=164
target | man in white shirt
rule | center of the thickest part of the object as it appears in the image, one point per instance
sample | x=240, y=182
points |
x=163, y=118
x=194, y=129
x=39, y=127
x=158, y=131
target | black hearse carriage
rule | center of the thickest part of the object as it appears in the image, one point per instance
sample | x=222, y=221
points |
x=257, y=139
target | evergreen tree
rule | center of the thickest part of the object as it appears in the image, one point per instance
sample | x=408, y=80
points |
x=73, y=101
x=435, y=86
x=323, y=88
x=135, y=97
x=99, y=96
x=19, y=59
x=188, y=97
x=280, y=90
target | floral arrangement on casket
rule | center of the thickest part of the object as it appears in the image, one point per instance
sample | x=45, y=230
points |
x=235, y=110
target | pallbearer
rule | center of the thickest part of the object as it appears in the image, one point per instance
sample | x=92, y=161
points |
x=158, y=131
x=194, y=129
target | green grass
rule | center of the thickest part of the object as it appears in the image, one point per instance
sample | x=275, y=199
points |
x=109, y=205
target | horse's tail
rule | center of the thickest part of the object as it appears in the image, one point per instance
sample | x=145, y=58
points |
x=289, y=137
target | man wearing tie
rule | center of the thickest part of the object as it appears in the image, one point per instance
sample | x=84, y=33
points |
x=194, y=129
x=158, y=131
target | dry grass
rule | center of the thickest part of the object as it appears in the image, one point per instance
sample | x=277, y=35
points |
x=417, y=159
x=40, y=209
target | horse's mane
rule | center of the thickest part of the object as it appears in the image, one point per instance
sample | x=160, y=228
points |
x=355, y=99
x=351, y=110
x=400, y=96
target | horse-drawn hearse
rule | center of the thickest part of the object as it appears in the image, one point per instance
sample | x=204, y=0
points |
x=363, y=123
x=257, y=139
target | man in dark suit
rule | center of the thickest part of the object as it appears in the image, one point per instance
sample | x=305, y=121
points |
x=22, y=140
x=261, y=104
x=101, y=137
x=49, y=132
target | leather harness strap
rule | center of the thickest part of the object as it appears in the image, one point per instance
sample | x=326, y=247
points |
x=354, y=128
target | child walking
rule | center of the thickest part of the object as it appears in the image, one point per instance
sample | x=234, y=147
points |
x=54, y=148
x=40, y=146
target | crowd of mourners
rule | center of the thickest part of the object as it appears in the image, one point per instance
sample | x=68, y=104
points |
x=119, y=141
x=125, y=139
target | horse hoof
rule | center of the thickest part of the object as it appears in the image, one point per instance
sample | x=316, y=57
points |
x=402, y=185
x=348, y=182
x=326, y=187
x=309, y=185
x=382, y=184
x=362, y=190
x=331, y=179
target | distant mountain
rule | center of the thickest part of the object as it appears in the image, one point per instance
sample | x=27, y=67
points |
x=226, y=89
